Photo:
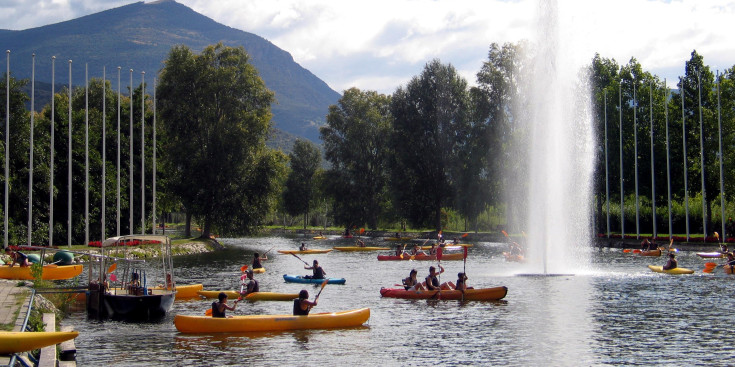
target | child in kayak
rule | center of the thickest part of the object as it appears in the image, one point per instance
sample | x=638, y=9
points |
x=249, y=284
x=411, y=283
x=319, y=273
x=257, y=259
x=671, y=264
x=461, y=282
x=219, y=308
x=17, y=257
x=302, y=305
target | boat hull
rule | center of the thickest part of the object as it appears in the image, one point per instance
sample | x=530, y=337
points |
x=50, y=272
x=481, y=294
x=17, y=342
x=651, y=253
x=300, y=279
x=288, y=252
x=258, y=270
x=358, y=248
x=659, y=269
x=130, y=307
x=256, y=323
x=710, y=255
x=457, y=256
x=183, y=292
x=257, y=296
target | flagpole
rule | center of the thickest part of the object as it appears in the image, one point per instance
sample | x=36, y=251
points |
x=686, y=172
x=722, y=176
x=118, y=152
x=635, y=155
x=668, y=158
x=653, y=171
x=69, y=147
x=104, y=149
x=607, y=175
x=51, y=160
x=142, y=152
x=30, y=156
x=622, y=192
x=154, y=159
x=86, y=154
x=130, y=199
x=7, y=145
x=701, y=155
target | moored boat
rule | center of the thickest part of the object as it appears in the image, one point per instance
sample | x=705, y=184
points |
x=50, y=272
x=255, y=323
x=310, y=251
x=453, y=256
x=16, y=341
x=257, y=296
x=359, y=248
x=711, y=255
x=479, y=294
x=659, y=269
x=300, y=279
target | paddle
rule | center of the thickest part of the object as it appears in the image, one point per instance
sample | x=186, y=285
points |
x=627, y=250
x=302, y=260
x=324, y=284
x=465, y=235
x=112, y=268
x=243, y=268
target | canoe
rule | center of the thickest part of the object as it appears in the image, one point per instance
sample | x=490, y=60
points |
x=256, y=323
x=650, y=253
x=257, y=296
x=50, y=272
x=258, y=270
x=16, y=341
x=513, y=257
x=480, y=294
x=310, y=251
x=358, y=248
x=300, y=279
x=710, y=255
x=320, y=237
x=455, y=256
x=397, y=238
x=659, y=269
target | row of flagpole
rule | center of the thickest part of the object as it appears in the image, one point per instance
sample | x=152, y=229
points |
x=668, y=161
x=86, y=163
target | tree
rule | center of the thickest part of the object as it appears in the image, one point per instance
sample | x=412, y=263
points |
x=431, y=117
x=305, y=160
x=215, y=112
x=355, y=137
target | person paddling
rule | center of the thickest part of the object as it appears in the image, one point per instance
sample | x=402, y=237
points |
x=432, y=281
x=671, y=264
x=249, y=284
x=302, y=305
x=219, y=308
x=257, y=261
x=303, y=247
x=461, y=282
x=411, y=283
x=319, y=273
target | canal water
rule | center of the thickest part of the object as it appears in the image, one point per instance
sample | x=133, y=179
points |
x=617, y=312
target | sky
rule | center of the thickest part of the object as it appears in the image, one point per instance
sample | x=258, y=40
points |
x=381, y=44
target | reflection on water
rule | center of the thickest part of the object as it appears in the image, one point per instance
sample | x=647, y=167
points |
x=619, y=313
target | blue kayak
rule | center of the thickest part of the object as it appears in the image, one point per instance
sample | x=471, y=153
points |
x=300, y=279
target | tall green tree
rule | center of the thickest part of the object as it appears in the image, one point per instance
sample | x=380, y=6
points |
x=215, y=112
x=431, y=117
x=355, y=143
x=300, y=185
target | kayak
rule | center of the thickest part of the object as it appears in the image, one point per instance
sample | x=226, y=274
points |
x=659, y=269
x=650, y=253
x=397, y=238
x=300, y=279
x=450, y=246
x=16, y=341
x=258, y=270
x=710, y=255
x=513, y=257
x=481, y=294
x=50, y=272
x=288, y=252
x=456, y=256
x=320, y=237
x=255, y=323
x=184, y=291
x=358, y=248
x=257, y=296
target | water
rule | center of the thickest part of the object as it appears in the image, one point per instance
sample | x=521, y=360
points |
x=619, y=314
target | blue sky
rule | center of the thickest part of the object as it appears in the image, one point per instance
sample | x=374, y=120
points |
x=379, y=45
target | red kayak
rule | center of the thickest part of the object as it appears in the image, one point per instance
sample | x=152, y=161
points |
x=455, y=256
x=481, y=294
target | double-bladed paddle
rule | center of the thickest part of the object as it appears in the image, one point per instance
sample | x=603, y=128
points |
x=302, y=260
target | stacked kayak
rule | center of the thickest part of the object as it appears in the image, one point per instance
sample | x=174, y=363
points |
x=359, y=248
x=257, y=296
x=254, y=323
x=288, y=252
x=480, y=294
x=300, y=279
x=660, y=269
x=16, y=342
x=711, y=255
x=454, y=256
x=50, y=272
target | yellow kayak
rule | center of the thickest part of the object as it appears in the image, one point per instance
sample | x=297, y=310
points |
x=660, y=269
x=16, y=342
x=238, y=324
x=257, y=296
x=183, y=292
x=313, y=251
x=258, y=270
x=320, y=237
x=50, y=272
x=358, y=248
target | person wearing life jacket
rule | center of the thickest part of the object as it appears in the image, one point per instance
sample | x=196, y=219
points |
x=17, y=257
x=671, y=264
x=249, y=284
x=219, y=308
x=432, y=281
x=303, y=247
x=411, y=283
x=319, y=273
x=302, y=305
x=257, y=259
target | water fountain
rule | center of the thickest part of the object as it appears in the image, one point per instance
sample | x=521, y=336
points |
x=561, y=152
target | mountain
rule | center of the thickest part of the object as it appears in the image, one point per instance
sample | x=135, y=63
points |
x=140, y=35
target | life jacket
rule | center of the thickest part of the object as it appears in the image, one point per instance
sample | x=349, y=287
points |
x=297, y=311
x=215, y=310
